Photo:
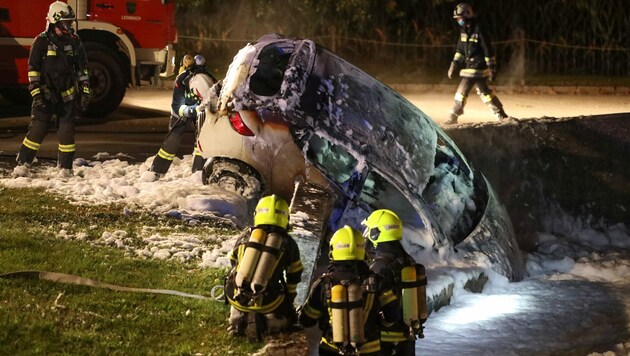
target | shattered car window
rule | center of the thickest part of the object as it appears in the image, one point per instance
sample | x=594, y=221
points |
x=272, y=63
x=336, y=162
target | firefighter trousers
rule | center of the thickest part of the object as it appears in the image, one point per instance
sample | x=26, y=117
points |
x=170, y=146
x=484, y=92
x=41, y=119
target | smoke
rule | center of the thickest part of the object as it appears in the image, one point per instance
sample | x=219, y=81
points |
x=516, y=66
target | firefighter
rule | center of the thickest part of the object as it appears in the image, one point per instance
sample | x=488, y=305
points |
x=383, y=228
x=348, y=302
x=475, y=60
x=186, y=105
x=59, y=84
x=266, y=269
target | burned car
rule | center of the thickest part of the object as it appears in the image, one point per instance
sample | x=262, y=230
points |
x=290, y=110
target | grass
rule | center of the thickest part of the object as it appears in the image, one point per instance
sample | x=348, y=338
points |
x=43, y=318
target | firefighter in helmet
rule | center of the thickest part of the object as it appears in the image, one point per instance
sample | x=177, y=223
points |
x=266, y=269
x=383, y=228
x=475, y=61
x=186, y=106
x=347, y=302
x=59, y=85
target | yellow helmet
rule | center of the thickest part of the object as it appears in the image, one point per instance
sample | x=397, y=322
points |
x=347, y=244
x=187, y=62
x=272, y=210
x=382, y=225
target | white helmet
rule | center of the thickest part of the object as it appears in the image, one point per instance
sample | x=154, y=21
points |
x=59, y=11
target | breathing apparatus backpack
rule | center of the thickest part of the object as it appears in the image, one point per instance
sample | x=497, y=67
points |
x=347, y=313
x=413, y=286
x=413, y=282
x=259, y=260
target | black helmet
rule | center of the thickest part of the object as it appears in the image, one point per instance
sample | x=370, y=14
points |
x=463, y=10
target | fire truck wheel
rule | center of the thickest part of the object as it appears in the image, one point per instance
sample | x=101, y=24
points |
x=106, y=80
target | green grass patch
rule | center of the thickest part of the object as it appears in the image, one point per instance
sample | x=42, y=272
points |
x=42, y=318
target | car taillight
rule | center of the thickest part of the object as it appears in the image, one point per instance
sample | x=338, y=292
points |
x=239, y=126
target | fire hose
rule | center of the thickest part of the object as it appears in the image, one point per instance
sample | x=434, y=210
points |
x=77, y=280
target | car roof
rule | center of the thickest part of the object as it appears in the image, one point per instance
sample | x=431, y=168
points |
x=323, y=92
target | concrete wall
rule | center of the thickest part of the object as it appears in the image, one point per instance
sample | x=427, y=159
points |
x=541, y=167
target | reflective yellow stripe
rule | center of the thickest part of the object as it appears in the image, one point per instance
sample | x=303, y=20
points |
x=486, y=98
x=196, y=151
x=30, y=144
x=459, y=96
x=264, y=309
x=295, y=267
x=370, y=346
x=167, y=156
x=51, y=53
x=463, y=37
x=312, y=312
x=474, y=73
x=392, y=336
x=386, y=298
x=35, y=91
x=458, y=56
x=86, y=90
x=33, y=76
x=67, y=148
x=291, y=287
x=67, y=92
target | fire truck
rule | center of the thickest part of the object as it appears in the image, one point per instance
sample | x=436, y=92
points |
x=128, y=43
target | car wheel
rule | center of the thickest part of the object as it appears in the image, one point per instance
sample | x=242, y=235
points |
x=234, y=176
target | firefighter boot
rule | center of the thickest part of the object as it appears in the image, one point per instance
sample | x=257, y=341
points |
x=452, y=120
x=238, y=323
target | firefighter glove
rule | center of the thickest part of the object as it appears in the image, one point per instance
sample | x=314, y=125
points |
x=85, y=96
x=452, y=69
x=190, y=112
x=493, y=73
x=39, y=102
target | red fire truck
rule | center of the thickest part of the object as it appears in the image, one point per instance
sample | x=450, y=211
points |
x=128, y=42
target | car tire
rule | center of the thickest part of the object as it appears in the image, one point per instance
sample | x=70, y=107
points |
x=235, y=176
x=107, y=79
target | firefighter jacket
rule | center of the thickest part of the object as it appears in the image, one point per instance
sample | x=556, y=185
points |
x=283, y=281
x=185, y=101
x=57, y=67
x=388, y=263
x=474, y=52
x=377, y=297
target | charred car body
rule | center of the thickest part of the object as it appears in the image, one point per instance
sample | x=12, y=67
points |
x=290, y=110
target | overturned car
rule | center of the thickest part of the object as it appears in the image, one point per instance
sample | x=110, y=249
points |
x=290, y=111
